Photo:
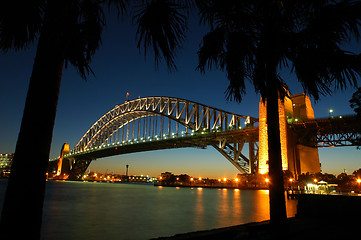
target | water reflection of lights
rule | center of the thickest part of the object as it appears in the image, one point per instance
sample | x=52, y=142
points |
x=199, y=209
x=264, y=192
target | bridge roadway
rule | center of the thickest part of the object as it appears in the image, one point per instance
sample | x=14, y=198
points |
x=325, y=132
x=328, y=132
x=198, y=140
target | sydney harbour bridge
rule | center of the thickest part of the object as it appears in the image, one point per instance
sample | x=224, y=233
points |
x=154, y=123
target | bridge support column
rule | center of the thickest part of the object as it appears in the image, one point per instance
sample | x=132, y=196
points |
x=253, y=156
x=296, y=158
x=78, y=169
x=232, y=151
x=64, y=150
x=263, y=135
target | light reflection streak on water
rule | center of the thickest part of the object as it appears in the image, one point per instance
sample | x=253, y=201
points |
x=199, y=210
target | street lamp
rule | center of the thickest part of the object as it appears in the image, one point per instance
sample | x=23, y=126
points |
x=330, y=111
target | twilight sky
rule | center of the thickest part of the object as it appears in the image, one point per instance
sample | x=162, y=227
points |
x=120, y=68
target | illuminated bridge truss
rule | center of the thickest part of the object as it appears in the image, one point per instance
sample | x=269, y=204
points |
x=330, y=132
x=154, y=123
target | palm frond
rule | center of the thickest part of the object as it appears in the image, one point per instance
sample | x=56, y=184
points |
x=20, y=23
x=84, y=35
x=239, y=63
x=211, y=52
x=161, y=27
x=120, y=5
x=355, y=102
x=336, y=22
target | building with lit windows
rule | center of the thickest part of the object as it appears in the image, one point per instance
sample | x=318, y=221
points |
x=5, y=164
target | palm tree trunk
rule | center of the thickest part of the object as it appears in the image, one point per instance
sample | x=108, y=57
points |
x=22, y=211
x=277, y=196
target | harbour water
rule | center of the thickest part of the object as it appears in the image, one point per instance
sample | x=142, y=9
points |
x=87, y=210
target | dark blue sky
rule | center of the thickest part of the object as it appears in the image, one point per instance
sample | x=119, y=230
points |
x=120, y=68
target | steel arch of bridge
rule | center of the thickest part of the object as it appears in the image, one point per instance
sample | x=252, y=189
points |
x=194, y=116
x=167, y=118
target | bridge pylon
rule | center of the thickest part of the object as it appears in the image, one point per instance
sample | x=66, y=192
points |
x=64, y=150
x=296, y=157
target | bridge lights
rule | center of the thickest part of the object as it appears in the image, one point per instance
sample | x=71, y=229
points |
x=248, y=121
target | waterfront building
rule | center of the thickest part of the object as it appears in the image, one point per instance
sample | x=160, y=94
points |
x=5, y=164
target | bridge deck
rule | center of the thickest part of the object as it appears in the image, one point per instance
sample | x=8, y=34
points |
x=200, y=140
